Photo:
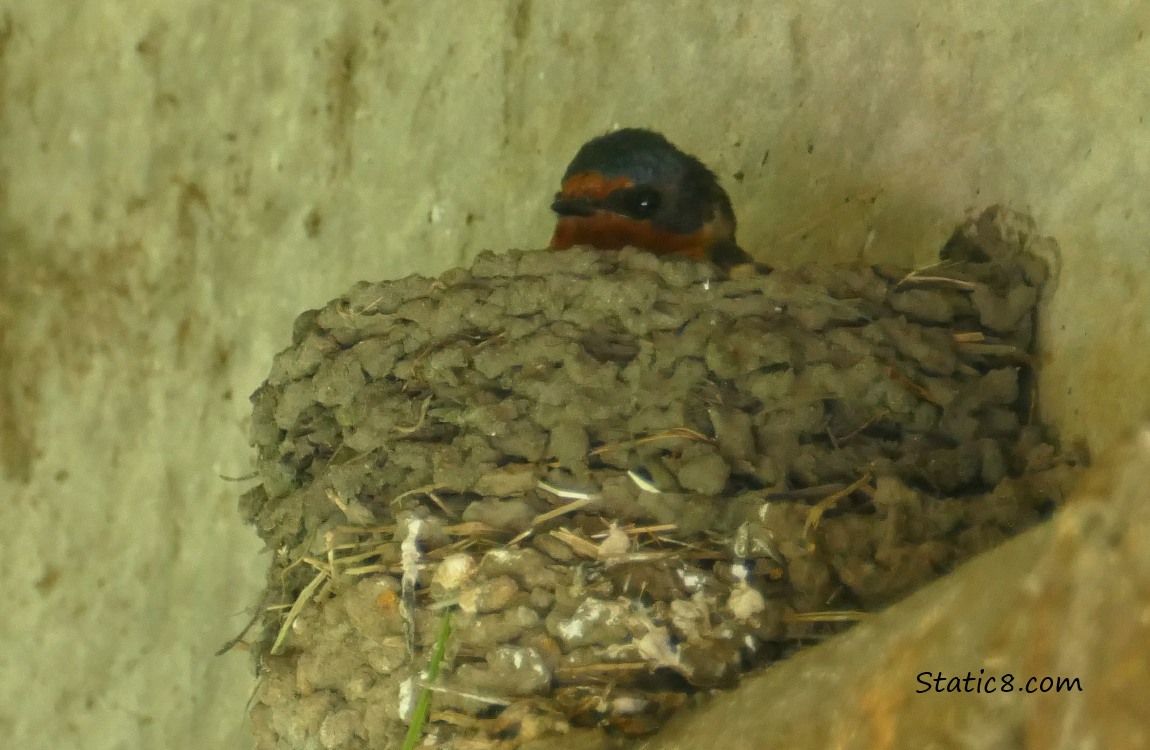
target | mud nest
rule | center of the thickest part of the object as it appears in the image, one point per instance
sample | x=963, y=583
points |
x=601, y=484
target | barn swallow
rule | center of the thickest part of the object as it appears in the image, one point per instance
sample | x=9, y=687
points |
x=634, y=187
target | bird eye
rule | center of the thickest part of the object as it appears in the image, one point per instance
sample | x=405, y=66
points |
x=635, y=202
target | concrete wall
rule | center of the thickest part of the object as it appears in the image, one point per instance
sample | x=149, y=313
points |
x=178, y=180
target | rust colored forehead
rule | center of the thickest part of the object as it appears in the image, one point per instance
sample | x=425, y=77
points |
x=593, y=185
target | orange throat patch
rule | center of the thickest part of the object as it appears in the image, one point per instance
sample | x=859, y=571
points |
x=609, y=231
x=606, y=230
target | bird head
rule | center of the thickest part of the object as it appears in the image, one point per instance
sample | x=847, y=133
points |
x=634, y=188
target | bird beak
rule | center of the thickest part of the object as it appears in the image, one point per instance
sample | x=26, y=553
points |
x=573, y=206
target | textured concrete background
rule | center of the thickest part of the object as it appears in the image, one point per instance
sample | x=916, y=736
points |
x=178, y=181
